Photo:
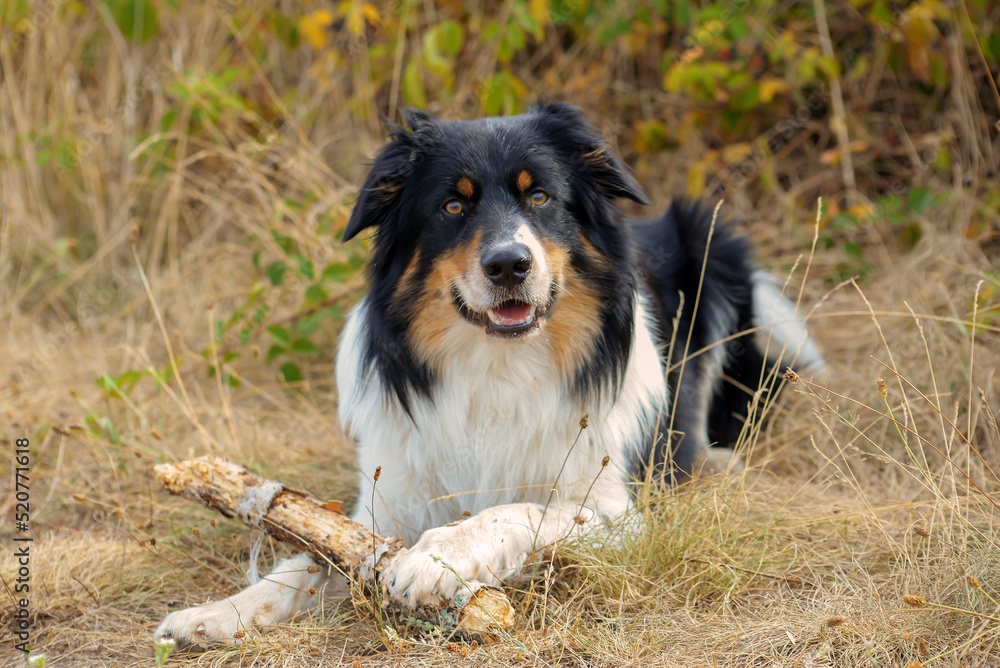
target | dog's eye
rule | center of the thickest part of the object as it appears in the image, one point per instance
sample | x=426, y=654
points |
x=538, y=198
x=453, y=207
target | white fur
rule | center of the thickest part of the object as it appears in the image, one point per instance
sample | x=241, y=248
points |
x=497, y=430
x=779, y=320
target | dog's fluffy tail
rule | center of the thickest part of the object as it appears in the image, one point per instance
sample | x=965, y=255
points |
x=782, y=341
x=782, y=337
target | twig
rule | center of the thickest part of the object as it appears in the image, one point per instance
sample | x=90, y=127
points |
x=295, y=517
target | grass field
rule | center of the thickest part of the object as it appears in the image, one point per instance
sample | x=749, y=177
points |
x=172, y=284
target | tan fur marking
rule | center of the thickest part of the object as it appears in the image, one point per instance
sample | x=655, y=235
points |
x=575, y=321
x=524, y=180
x=464, y=186
x=406, y=282
x=592, y=253
x=434, y=314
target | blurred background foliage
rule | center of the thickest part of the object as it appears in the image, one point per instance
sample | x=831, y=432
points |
x=249, y=124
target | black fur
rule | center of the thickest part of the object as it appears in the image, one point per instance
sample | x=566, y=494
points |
x=671, y=252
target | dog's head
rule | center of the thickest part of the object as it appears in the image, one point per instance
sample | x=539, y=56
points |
x=507, y=225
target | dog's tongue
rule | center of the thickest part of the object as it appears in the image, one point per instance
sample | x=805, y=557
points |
x=511, y=313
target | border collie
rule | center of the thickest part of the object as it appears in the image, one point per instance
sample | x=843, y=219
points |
x=509, y=298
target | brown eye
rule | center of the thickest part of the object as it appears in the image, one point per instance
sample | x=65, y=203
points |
x=539, y=198
x=453, y=207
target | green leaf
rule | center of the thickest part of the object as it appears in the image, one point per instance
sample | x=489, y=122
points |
x=109, y=386
x=491, y=95
x=136, y=19
x=942, y=160
x=413, y=84
x=452, y=37
x=284, y=242
x=315, y=294
x=881, y=14
x=304, y=346
x=501, y=93
x=109, y=427
x=523, y=17
x=490, y=32
x=612, y=31
x=911, y=234
x=888, y=205
x=338, y=272
x=273, y=352
x=746, y=99
x=276, y=272
x=434, y=56
x=291, y=373
x=168, y=120
x=830, y=67
x=280, y=334
x=852, y=249
x=305, y=267
x=921, y=200
x=286, y=29
x=683, y=14
x=516, y=37
x=308, y=324
x=845, y=221
x=730, y=119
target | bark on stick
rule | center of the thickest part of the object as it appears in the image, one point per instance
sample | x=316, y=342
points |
x=295, y=517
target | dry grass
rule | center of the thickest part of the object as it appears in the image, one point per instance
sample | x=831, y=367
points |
x=804, y=561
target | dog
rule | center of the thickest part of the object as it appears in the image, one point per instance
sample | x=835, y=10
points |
x=508, y=299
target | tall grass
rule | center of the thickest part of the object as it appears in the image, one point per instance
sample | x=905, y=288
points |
x=171, y=210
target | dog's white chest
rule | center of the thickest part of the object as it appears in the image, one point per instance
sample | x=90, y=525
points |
x=499, y=428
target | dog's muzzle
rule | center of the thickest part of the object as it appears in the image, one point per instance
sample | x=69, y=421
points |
x=517, y=309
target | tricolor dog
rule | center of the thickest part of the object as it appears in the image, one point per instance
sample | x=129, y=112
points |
x=508, y=298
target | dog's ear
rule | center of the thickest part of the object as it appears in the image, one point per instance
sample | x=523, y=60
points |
x=393, y=165
x=569, y=130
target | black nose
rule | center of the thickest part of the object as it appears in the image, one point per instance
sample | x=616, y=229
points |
x=507, y=265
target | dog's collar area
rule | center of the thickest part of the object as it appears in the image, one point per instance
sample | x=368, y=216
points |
x=508, y=319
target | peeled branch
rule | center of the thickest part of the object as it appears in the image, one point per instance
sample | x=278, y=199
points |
x=294, y=517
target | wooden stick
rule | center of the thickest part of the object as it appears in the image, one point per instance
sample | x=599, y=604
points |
x=295, y=517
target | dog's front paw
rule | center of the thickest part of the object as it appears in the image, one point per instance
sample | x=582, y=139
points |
x=224, y=622
x=432, y=571
x=436, y=568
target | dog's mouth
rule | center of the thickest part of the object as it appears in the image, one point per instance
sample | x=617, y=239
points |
x=510, y=318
